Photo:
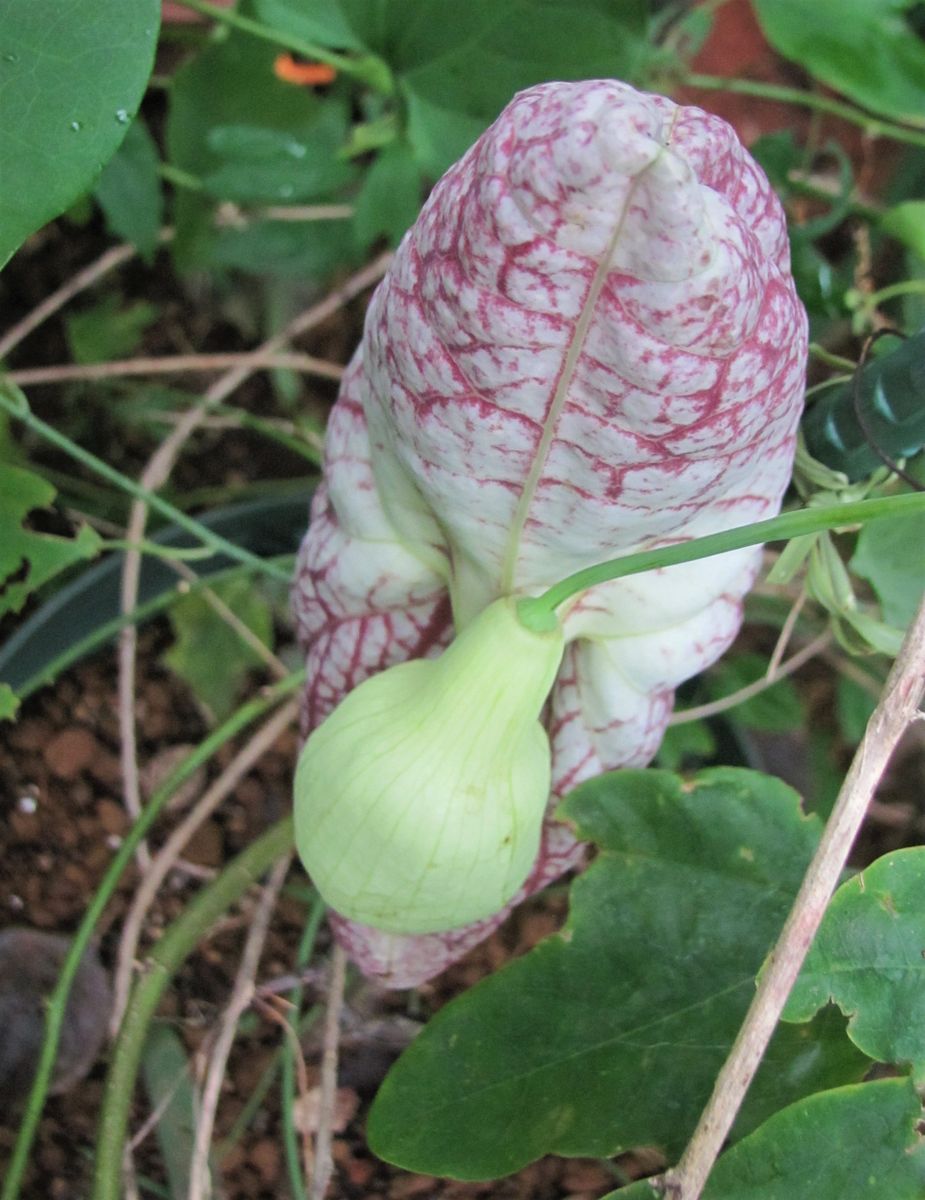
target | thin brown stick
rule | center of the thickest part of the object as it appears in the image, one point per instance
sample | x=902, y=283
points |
x=786, y=633
x=305, y=212
x=108, y=261
x=898, y=706
x=750, y=690
x=175, y=364
x=166, y=858
x=324, y=1163
x=156, y=474
x=241, y=996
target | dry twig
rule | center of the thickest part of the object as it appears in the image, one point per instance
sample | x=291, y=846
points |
x=176, y=364
x=897, y=709
x=242, y=993
x=324, y=1164
x=169, y=853
x=750, y=690
x=156, y=474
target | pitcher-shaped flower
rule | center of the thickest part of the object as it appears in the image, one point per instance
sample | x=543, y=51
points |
x=419, y=802
x=588, y=344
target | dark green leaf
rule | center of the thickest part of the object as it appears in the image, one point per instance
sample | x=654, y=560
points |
x=211, y=655
x=390, y=198
x=288, y=249
x=129, y=191
x=336, y=24
x=227, y=108
x=801, y=1059
x=890, y=555
x=684, y=742
x=777, y=709
x=853, y=707
x=259, y=165
x=855, y=1143
x=458, y=74
x=459, y=64
x=72, y=74
x=610, y=1034
x=108, y=331
x=868, y=958
x=863, y=48
x=27, y=558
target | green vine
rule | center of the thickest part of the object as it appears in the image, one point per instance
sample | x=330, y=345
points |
x=535, y=612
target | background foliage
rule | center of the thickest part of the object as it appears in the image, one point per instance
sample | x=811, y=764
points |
x=248, y=196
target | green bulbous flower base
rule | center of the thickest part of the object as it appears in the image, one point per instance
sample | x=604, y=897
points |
x=419, y=802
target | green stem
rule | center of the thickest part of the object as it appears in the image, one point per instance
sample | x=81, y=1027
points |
x=142, y=612
x=58, y=1000
x=906, y=288
x=368, y=69
x=161, y=964
x=180, y=178
x=535, y=612
x=787, y=95
x=16, y=404
x=158, y=550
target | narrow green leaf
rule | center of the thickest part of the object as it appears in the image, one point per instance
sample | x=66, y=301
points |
x=854, y=1143
x=868, y=957
x=129, y=191
x=9, y=703
x=72, y=74
x=863, y=48
x=890, y=556
x=28, y=558
x=208, y=653
x=168, y=1082
x=609, y=1035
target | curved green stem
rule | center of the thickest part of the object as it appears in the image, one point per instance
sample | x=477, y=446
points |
x=368, y=69
x=16, y=404
x=161, y=964
x=787, y=95
x=534, y=612
x=58, y=1001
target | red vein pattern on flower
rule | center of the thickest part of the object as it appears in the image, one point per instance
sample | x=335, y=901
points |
x=589, y=344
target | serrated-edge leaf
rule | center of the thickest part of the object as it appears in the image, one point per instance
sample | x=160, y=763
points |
x=41, y=556
x=867, y=958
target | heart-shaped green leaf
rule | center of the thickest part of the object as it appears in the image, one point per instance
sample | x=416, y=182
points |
x=609, y=1035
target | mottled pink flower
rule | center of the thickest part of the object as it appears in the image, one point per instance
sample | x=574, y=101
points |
x=588, y=344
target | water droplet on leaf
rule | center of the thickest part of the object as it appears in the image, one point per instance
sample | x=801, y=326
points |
x=76, y=126
x=122, y=116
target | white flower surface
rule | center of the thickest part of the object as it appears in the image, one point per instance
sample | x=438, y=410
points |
x=588, y=344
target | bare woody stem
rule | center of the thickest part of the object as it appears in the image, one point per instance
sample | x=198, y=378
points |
x=898, y=707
